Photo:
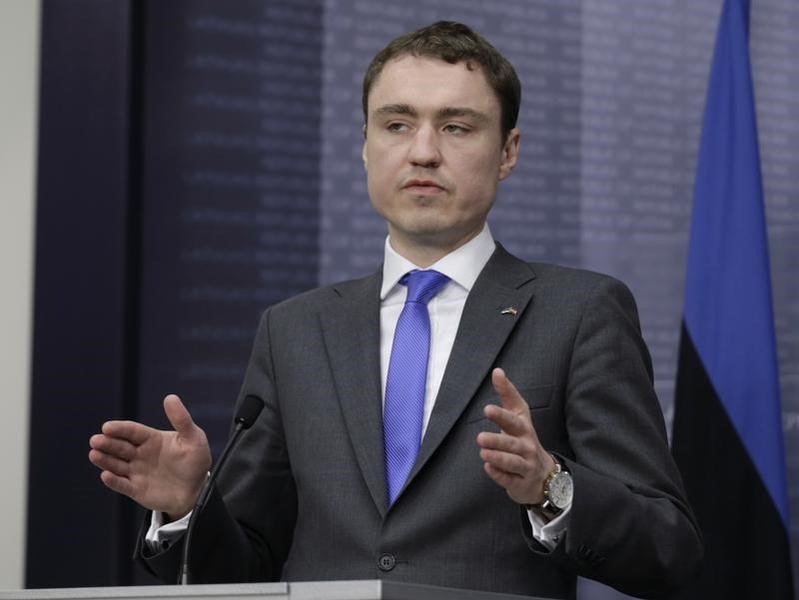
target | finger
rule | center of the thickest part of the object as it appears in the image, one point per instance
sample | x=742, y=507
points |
x=513, y=402
x=106, y=462
x=501, y=442
x=509, y=422
x=512, y=464
x=114, y=446
x=117, y=483
x=504, y=479
x=133, y=432
x=508, y=394
x=179, y=416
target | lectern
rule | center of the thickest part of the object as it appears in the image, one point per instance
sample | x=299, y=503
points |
x=311, y=590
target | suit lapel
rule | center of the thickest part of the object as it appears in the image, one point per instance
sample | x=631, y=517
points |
x=351, y=330
x=481, y=335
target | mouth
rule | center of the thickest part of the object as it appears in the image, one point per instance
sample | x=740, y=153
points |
x=423, y=187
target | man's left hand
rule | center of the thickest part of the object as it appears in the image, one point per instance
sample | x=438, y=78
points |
x=514, y=457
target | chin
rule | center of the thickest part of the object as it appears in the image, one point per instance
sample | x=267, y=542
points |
x=431, y=228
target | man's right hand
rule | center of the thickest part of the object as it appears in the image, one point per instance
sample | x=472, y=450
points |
x=161, y=470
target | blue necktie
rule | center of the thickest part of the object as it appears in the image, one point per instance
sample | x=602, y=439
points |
x=403, y=411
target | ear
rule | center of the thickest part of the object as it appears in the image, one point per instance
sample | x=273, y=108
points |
x=510, y=153
x=363, y=149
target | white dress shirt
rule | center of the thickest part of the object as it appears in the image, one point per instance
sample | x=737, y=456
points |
x=462, y=266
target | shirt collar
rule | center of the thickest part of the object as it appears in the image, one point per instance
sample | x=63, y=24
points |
x=462, y=265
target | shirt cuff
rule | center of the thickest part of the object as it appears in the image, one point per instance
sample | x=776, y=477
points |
x=161, y=536
x=548, y=533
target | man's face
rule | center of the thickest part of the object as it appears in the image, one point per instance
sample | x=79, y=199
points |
x=434, y=153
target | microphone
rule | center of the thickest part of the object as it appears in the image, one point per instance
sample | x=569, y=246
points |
x=247, y=414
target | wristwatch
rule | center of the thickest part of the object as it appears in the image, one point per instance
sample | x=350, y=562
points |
x=558, y=492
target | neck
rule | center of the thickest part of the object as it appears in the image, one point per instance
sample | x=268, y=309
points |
x=424, y=253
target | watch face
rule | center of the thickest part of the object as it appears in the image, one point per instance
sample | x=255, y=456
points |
x=561, y=490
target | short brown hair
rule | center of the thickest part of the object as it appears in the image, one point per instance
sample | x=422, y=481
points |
x=454, y=42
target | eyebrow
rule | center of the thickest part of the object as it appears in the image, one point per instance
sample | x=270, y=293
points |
x=396, y=109
x=444, y=113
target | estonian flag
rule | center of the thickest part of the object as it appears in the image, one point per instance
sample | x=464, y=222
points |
x=727, y=436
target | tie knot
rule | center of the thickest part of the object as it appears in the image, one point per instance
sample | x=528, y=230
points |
x=423, y=285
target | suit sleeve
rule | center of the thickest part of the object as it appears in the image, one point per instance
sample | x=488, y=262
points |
x=630, y=525
x=256, y=486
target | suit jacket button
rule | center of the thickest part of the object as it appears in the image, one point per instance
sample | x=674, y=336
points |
x=386, y=562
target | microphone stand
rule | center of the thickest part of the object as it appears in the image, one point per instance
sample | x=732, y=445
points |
x=249, y=411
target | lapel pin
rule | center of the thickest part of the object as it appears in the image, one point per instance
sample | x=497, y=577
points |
x=511, y=310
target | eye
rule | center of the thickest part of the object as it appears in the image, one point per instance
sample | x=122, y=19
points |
x=397, y=127
x=456, y=129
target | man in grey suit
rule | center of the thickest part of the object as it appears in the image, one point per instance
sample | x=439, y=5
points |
x=537, y=448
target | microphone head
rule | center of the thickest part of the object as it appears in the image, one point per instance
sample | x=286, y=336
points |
x=249, y=410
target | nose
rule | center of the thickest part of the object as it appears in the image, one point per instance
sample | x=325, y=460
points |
x=424, y=150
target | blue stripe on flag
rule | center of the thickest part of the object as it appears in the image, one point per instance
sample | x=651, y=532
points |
x=728, y=307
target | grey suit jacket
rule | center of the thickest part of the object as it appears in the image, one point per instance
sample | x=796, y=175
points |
x=305, y=497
